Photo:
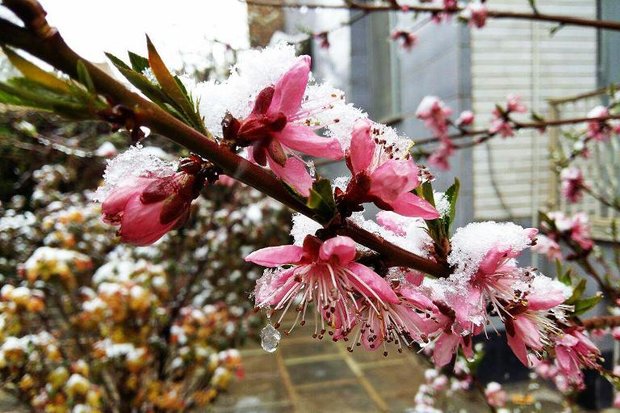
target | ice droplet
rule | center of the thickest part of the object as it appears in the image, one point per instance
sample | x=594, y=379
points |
x=269, y=338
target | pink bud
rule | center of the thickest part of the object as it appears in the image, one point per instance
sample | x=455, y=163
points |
x=146, y=208
x=466, y=118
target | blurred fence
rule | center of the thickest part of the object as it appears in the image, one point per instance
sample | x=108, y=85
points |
x=601, y=170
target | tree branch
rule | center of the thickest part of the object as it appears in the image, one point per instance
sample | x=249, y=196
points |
x=393, y=6
x=517, y=126
x=52, y=49
x=595, y=323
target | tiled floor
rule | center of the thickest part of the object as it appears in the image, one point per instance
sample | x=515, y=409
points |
x=308, y=375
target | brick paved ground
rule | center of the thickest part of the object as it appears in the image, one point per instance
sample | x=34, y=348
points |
x=306, y=375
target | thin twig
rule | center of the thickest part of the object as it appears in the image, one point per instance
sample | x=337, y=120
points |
x=390, y=6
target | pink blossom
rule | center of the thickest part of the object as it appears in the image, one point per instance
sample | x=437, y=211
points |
x=572, y=184
x=448, y=344
x=547, y=246
x=476, y=13
x=503, y=127
x=576, y=227
x=573, y=351
x=455, y=329
x=322, y=273
x=615, y=333
x=530, y=324
x=406, y=38
x=466, y=118
x=398, y=323
x=450, y=5
x=580, y=231
x=498, y=279
x=272, y=130
x=323, y=39
x=146, y=208
x=599, y=129
x=513, y=104
x=439, y=158
x=495, y=395
x=381, y=177
x=435, y=114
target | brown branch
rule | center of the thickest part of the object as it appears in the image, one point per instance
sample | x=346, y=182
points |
x=466, y=133
x=497, y=14
x=53, y=50
x=595, y=323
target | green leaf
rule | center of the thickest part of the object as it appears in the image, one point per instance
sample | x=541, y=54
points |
x=34, y=73
x=138, y=63
x=556, y=29
x=563, y=276
x=321, y=198
x=452, y=195
x=166, y=80
x=586, y=304
x=140, y=81
x=84, y=76
x=577, y=292
x=426, y=191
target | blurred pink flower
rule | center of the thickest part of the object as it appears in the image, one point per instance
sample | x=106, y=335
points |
x=599, y=129
x=406, y=39
x=435, y=115
x=466, y=118
x=547, y=246
x=573, y=351
x=503, y=127
x=495, y=395
x=572, y=184
x=477, y=13
x=513, y=104
x=439, y=158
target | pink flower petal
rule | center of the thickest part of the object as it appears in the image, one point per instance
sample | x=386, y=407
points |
x=445, y=347
x=492, y=260
x=290, y=89
x=518, y=348
x=141, y=225
x=341, y=247
x=276, y=256
x=411, y=205
x=118, y=197
x=276, y=289
x=362, y=146
x=293, y=173
x=303, y=139
x=545, y=299
x=370, y=283
x=528, y=332
x=393, y=178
